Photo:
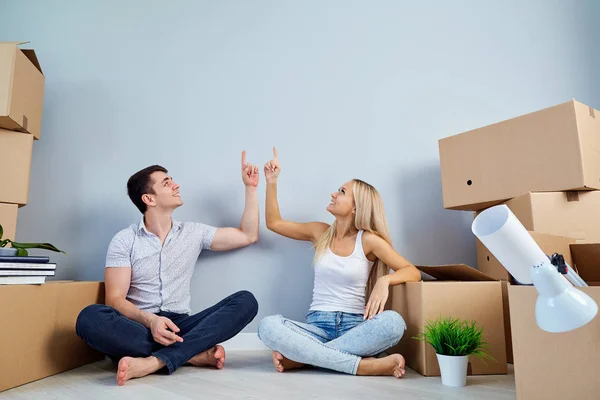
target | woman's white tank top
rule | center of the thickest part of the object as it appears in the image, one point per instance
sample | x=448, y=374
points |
x=340, y=282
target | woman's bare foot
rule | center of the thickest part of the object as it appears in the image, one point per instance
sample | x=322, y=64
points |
x=391, y=365
x=130, y=368
x=213, y=357
x=283, y=364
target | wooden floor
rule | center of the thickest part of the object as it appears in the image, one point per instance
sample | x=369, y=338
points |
x=250, y=375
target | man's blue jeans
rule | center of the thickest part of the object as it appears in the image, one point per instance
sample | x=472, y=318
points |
x=108, y=331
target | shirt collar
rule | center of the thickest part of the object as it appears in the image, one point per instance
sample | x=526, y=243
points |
x=176, y=225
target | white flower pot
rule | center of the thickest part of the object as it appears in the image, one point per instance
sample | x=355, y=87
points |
x=453, y=369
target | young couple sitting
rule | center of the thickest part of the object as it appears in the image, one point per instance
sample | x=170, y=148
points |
x=147, y=326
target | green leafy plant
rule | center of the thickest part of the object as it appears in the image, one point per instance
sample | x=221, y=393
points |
x=22, y=247
x=453, y=337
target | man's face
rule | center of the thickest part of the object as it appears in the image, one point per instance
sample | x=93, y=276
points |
x=166, y=192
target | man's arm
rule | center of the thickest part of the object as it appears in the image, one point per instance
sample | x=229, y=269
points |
x=116, y=283
x=247, y=233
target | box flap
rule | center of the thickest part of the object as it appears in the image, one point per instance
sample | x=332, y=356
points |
x=30, y=54
x=586, y=257
x=454, y=272
x=14, y=43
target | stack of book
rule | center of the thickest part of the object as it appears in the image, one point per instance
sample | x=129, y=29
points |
x=26, y=270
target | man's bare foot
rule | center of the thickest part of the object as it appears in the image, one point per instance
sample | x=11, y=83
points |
x=391, y=365
x=130, y=368
x=283, y=364
x=212, y=357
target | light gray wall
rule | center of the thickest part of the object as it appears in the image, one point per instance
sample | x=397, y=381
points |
x=343, y=88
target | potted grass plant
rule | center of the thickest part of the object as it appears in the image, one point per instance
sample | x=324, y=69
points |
x=20, y=249
x=454, y=340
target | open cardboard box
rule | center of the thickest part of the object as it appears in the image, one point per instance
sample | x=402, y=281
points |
x=21, y=89
x=488, y=264
x=550, y=218
x=550, y=244
x=38, y=336
x=459, y=291
x=557, y=365
x=587, y=256
x=476, y=172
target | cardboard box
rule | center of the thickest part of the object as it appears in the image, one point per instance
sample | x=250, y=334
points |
x=8, y=220
x=550, y=244
x=571, y=214
x=21, y=89
x=460, y=292
x=38, y=338
x=16, y=150
x=506, y=314
x=554, y=365
x=588, y=256
x=554, y=149
x=489, y=265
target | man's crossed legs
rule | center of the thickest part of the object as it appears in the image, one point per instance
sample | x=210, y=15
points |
x=108, y=331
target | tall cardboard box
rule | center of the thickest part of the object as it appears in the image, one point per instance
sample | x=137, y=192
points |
x=489, y=265
x=21, y=89
x=459, y=292
x=16, y=150
x=571, y=214
x=554, y=149
x=38, y=336
x=554, y=366
x=8, y=220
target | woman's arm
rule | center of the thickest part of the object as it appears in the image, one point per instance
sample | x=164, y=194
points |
x=309, y=231
x=404, y=271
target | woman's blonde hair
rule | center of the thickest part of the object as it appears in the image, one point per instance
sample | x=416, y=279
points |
x=370, y=217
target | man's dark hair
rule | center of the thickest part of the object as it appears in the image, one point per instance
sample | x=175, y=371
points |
x=140, y=184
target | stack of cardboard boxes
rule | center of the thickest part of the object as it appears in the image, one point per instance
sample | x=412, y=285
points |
x=38, y=336
x=545, y=166
x=21, y=96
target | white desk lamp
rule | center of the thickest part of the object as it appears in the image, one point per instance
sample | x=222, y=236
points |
x=560, y=307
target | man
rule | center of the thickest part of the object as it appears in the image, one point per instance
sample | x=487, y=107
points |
x=145, y=323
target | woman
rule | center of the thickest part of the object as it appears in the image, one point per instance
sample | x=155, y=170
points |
x=352, y=260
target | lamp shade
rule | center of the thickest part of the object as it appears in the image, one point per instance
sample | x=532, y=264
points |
x=560, y=307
